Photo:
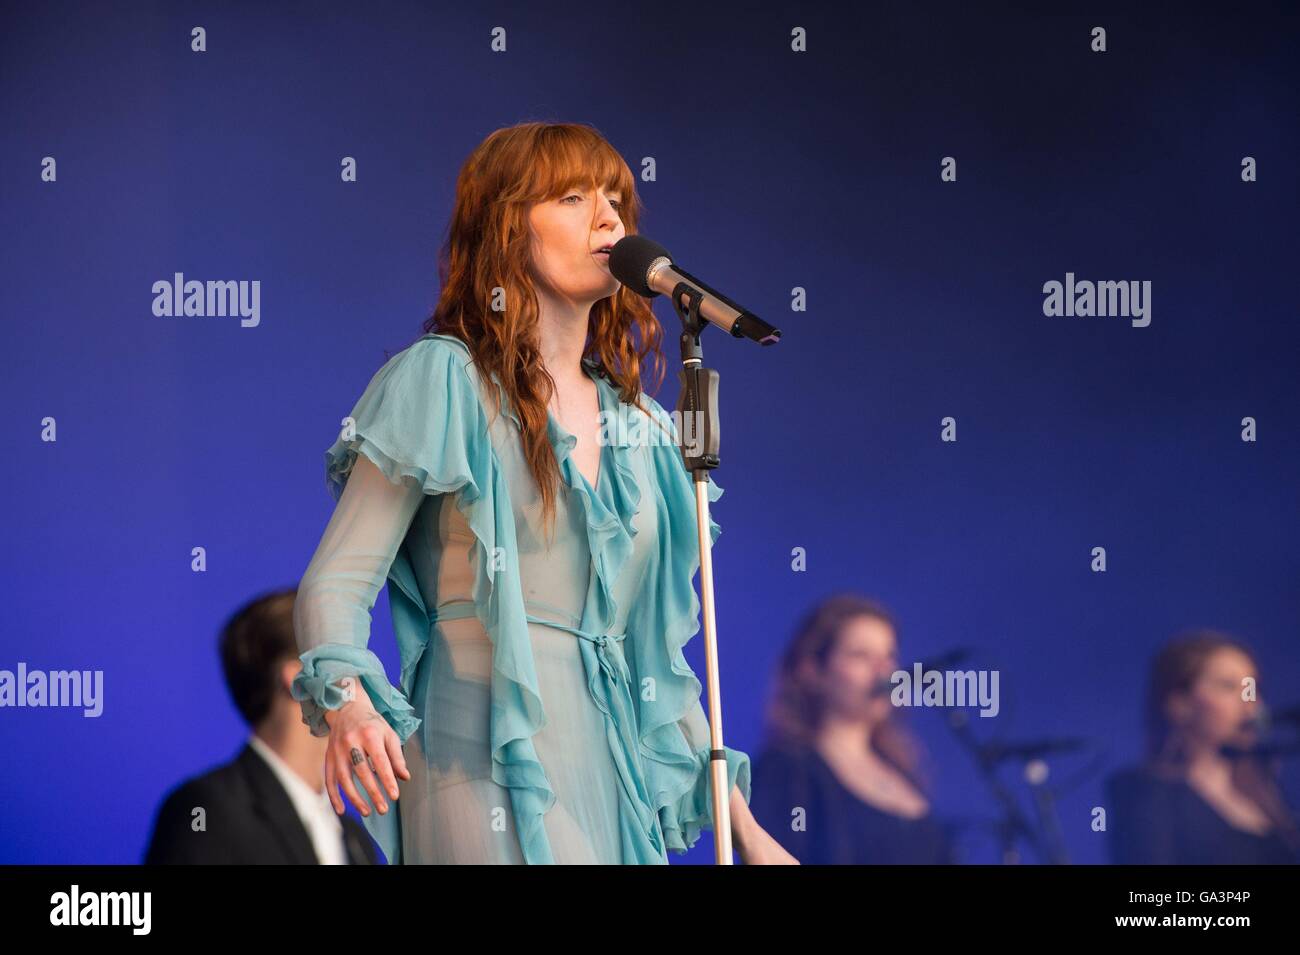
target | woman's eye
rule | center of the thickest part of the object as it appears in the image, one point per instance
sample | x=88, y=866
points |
x=616, y=203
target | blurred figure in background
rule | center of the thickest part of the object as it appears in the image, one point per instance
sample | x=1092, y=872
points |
x=268, y=805
x=1200, y=798
x=838, y=781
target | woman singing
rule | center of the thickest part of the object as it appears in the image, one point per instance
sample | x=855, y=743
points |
x=838, y=782
x=1201, y=797
x=532, y=514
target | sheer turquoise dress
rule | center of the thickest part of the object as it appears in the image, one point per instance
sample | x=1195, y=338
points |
x=546, y=710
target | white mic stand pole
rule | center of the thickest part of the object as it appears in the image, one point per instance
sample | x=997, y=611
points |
x=697, y=406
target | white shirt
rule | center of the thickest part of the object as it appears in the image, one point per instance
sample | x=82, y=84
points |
x=314, y=808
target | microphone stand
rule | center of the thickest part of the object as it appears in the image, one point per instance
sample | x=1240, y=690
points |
x=1049, y=820
x=1013, y=824
x=697, y=405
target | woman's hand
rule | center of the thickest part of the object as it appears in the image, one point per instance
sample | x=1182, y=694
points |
x=752, y=842
x=361, y=742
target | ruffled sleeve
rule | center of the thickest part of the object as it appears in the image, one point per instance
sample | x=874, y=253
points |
x=411, y=433
x=421, y=423
x=694, y=808
x=673, y=728
x=331, y=612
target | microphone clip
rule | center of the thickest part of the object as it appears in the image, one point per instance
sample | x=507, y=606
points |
x=697, y=401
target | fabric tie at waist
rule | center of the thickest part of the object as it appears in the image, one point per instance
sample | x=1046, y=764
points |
x=610, y=682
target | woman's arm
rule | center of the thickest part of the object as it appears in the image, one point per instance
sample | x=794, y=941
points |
x=332, y=622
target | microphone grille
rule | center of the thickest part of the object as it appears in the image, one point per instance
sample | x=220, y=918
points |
x=630, y=260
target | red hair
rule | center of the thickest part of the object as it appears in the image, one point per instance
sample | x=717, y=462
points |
x=487, y=253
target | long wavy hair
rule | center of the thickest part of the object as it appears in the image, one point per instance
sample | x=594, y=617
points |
x=485, y=260
x=797, y=705
x=1176, y=669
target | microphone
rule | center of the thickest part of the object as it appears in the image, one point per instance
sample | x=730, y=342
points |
x=1263, y=722
x=1289, y=715
x=1261, y=751
x=647, y=268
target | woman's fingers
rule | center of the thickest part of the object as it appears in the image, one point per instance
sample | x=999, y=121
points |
x=380, y=761
x=345, y=777
x=395, y=756
x=331, y=786
x=367, y=750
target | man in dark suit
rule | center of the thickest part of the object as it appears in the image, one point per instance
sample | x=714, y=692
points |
x=268, y=805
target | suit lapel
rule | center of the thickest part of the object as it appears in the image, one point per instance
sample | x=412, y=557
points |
x=273, y=804
x=355, y=840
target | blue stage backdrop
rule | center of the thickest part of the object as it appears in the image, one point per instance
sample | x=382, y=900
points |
x=895, y=186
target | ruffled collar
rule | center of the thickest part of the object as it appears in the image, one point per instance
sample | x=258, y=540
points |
x=611, y=506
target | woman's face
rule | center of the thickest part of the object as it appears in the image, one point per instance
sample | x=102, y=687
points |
x=863, y=658
x=566, y=232
x=1212, y=713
